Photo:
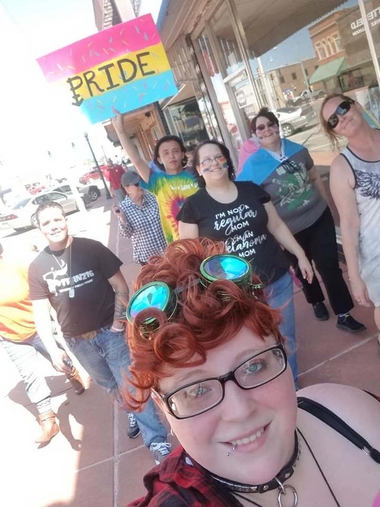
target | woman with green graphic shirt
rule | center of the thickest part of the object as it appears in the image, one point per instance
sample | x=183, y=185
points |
x=287, y=172
x=172, y=185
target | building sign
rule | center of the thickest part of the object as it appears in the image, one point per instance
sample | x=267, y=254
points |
x=373, y=19
x=125, y=66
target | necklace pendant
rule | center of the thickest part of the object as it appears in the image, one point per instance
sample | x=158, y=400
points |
x=72, y=292
x=282, y=491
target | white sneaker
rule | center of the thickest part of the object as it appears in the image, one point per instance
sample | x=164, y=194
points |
x=160, y=451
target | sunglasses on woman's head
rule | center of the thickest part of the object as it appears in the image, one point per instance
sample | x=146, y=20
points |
x=270, y=124
x=341, y=110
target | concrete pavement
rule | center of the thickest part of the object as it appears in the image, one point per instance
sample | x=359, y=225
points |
x=92, y=462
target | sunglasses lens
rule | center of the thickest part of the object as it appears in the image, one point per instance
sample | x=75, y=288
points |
x=152, y=295
x=342, y=109
x=333, y=121
x=226, y=267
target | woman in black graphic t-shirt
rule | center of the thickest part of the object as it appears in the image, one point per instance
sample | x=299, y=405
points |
x=242, y=215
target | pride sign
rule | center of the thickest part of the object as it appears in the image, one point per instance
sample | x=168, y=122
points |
x=125, y=66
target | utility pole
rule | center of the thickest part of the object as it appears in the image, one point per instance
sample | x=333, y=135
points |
x=108, y=195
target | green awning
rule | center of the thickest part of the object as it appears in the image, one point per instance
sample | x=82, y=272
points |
x=329, y=70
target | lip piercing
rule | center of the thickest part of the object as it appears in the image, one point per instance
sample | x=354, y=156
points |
x=233, y=449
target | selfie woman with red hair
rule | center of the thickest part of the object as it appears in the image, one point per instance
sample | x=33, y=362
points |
x=207, y=348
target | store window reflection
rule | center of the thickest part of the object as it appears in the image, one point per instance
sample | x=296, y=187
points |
x=344, y=57
x=188, y=122
x=222, y=28
x=218, y=84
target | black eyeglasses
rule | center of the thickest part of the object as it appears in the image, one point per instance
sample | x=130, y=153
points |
x=270, y=124
x=341, y=110
x=203, y=395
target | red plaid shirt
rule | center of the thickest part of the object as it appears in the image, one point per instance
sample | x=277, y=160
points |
x=176, y=483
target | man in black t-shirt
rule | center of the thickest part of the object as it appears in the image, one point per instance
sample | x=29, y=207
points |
x=81, y=279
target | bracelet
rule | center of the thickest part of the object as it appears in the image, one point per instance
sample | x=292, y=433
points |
x=116, y=329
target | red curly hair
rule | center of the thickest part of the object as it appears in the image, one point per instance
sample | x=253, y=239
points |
x=205, y=318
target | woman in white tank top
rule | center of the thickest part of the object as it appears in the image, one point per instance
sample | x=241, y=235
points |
x=355, y=187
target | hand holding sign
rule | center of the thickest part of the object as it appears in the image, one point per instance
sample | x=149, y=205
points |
x=125, y=66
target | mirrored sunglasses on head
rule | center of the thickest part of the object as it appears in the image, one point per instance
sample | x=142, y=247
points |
x=158, y=295
x=341, y=110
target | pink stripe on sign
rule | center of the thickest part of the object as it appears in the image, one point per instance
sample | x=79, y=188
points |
x=134, y=35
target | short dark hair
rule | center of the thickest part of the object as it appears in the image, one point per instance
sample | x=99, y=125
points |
x=264, y=111
x=48, y=205
x=226, y=153
x=167, y=139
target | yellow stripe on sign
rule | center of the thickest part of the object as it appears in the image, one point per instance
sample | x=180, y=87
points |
x=117, y=72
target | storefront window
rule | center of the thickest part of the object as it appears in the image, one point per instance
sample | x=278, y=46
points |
x=338, y=60
x=229, y=50
x=358, y=77
x=220, y=88
x=188, y=122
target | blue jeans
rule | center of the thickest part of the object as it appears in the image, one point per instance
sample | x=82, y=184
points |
x=119, y=194
x=280, y=295
x=24, y=355
x=106, y=358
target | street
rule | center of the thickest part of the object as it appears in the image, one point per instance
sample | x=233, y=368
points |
x=314, y=139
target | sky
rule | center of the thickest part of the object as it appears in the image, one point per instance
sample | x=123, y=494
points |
x=34, y=121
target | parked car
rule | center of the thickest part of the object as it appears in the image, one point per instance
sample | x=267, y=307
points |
x=22, y=214
x=294, y=118
x=93, y=175
x=305, y=96
x=90, y=193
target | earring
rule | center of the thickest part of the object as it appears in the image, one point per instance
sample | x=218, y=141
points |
x=228, y=454
x=171, y=432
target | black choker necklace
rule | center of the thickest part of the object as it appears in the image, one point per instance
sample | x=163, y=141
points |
x=277, y=483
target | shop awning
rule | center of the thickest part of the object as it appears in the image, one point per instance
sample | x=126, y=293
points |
x=329, y=70
x=266, y=24
x=185, y=92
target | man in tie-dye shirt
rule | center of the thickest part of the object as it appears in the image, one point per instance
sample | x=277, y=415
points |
x=172, y=185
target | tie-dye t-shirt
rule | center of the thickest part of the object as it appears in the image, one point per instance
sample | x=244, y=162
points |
x=171, y=191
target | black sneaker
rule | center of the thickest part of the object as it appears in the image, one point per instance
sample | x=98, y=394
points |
x=160, y=451
x=348, y=323
x=320, y=311
x=133, y=427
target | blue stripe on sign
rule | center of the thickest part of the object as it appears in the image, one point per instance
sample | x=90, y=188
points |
x=130, y=97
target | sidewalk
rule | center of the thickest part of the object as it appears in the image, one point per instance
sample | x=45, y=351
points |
x=91, y=462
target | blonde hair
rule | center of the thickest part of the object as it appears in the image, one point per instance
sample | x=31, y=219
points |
x=333, y=137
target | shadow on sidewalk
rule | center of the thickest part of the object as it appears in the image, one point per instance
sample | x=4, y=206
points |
x=64, y=411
